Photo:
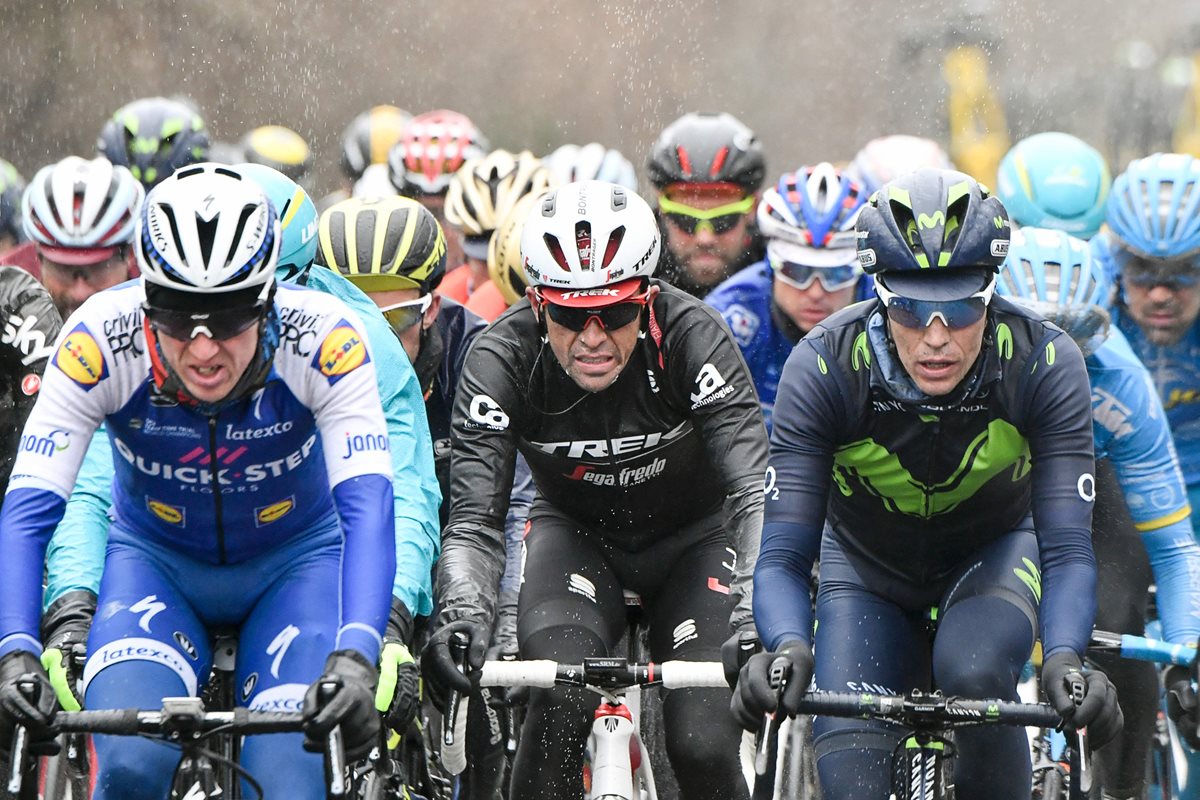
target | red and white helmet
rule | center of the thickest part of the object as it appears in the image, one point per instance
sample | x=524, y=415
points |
x=880, y=160
x=81, y=212
x=588, y=235
x=431, y=149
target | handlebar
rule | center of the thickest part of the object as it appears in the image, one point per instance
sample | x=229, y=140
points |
x=604, y=673
x=919, y=710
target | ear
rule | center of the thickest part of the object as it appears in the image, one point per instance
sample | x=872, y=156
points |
x=532, y=296
x=431, y=313
x=652, y=293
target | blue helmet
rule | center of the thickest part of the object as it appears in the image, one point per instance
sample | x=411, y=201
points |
x=814, y=206
x=1055, y=180
x=1154, y=207
x=297, y=220
x=1054, y=273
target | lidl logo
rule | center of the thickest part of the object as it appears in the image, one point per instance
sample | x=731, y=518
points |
x=79, y=358
x=265, y=515
x=172, y=515
x=342, y=352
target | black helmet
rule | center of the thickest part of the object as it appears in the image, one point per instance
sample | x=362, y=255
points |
x=707, y=148
x=932, y=219
x=154, y=137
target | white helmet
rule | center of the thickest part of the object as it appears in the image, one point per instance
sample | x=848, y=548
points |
x=591, y=162
x=207, y=229
x=587, y=235
x=81, y=212
x=880, y=160
x=374, y=182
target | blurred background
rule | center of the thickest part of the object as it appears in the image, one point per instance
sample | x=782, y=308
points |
x=814, y=79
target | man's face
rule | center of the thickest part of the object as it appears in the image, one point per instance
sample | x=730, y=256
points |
x=706, y=249
x=809, y=306
x=1162, y=302
x=70, y=285
x=936, y=357
x=209, y=368
x=409, y=331
x=595, y=356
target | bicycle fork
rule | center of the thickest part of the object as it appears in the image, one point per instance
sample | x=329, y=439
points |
x=615, y=757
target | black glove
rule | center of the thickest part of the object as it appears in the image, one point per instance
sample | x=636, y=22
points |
x=758, y=690
x=437, y=664
x=1182, y=705
x=352, y=706
x=34, y=713
x=399, y=693
x=65, y=630
x=736, y=651
x=504, y=630
x=1082, y=700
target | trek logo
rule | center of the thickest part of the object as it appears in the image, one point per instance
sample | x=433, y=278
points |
x=590, y=293
x=710, y=387
x=22, y=334
x=1110, y=413
x=258, y=433
x=53, y=442
x=621, y=446
x=487, y=413
x=366, y=442
x=626, y=477
x=197, y=469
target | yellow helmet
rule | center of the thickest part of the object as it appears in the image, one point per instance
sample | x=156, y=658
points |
x=383, y=243
x=505, y=264
x=484, y=190
x=279, y=148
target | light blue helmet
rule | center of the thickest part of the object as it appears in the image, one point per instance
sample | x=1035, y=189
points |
x=1054, y=274
x=297, y=220
x=1154, y=207
x=1055, y=180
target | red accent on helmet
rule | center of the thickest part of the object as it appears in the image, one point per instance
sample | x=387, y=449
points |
x=685, y=163
x=718, y=161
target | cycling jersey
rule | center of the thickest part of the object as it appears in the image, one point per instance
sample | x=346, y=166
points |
x=29, y=325
x=923, y=483
x=311, y=443
x=76, y=554
x=1130, y=429
x=763, y=332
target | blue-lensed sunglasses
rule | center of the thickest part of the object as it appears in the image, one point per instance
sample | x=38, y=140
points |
x=955, y=314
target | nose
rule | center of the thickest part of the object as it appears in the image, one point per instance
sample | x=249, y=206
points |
x=593, y=333
x=936, y=334
x=202, y=347
x=816, y=290
x=705, y=233
x=1160, y=294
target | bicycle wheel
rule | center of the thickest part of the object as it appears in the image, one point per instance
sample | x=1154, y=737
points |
x=798, y=780
x=1052, y=786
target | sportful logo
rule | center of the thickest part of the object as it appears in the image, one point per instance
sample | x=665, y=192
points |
x=580, y=585
x=684, y=632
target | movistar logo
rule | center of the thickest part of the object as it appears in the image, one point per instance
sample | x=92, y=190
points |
x=861, y=356
x=927, y=222
x=1031, y=577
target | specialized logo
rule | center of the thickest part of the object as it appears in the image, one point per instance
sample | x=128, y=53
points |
x=279, y=647
x=265, y=515
x=22, y=333
x=149, y=607
x=710, y=387
x=577, y=584
x=172, y=515
x=55, y=441
x=80, y=359
x=684, y=632
x=342, y=352
x=487, y=413
x=185, y=644
x=30, y=384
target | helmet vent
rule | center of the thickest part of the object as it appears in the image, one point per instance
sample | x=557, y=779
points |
x=364, y=241
x=619, y=200
x=718, y=161
x=685, y=163
x=584, y=243
x=392, y=233
x=556, y=251
x=614, y=244
x=170, y=215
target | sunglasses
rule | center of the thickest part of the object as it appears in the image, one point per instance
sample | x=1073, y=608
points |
x=801, y=276
x=618, y=315
x=719, y=220
x=184, y=326
x=917, y=314
x=1173, y=273
x=403, y=316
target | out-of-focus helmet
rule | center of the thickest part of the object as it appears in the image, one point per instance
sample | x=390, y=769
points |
x=486, y=189
x=12, y=186
x=505, y=264
x=587, y=235
x=888, y=157
x=591, y=162
x=375, y=182
x=1154, y=206
x=81, y=212
x=706, y=148
x=381, y=244
x=297, y=220
x=433, y=146
x=370, y=136
x=280, y=148
x=1055, y=180
x=153, y=137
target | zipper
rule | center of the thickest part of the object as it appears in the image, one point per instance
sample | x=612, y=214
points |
x=216, y=484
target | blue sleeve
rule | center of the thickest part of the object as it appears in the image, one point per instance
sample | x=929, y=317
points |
x=519, y=503
x=26, y=523
x=809, y=415
x=364, y=506
x=75, y=558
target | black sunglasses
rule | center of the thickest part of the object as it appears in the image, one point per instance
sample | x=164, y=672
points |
x=618, y=315
x=216, y=325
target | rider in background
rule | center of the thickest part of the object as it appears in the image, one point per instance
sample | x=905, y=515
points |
x=706, y=170
x=280, y=148
x=12, y=186
x=1141, y=524
x=153, y=137
x=811, y=270
x=1055, y=180
x=366, y=143
x=81, y=214
x=591, y=162
x=888, y=157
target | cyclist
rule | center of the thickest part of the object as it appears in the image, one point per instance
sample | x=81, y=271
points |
x=944, y=416
x=81, y=214
x=304, y=515
x=432, y=147
x=591, y=162
x=153, y=137
x=638, y=418
x=1055, y=180
x=481, y=193
x=279, y=148
x=706, y=170
x=888, y=157
x=811, y=270
x=369, y=137
x=1053, y=274
x=12, y=186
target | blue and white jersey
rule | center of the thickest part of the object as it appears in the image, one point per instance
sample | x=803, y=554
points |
x=310, y=444
x=1131, y=430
